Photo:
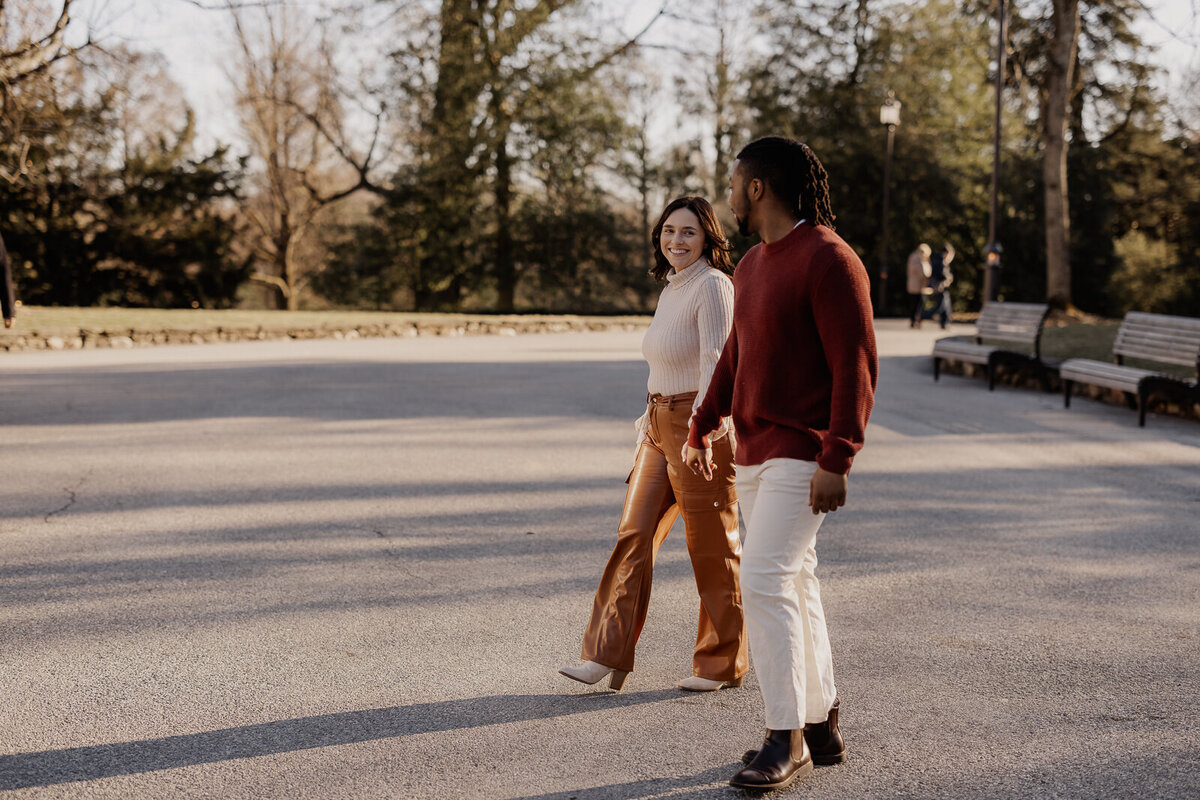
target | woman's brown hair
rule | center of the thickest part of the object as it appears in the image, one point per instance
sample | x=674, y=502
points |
x=716, y=246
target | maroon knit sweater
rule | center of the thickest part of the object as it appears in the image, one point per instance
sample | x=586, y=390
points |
x=799, y=368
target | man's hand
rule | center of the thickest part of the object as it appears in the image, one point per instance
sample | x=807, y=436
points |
x=827, y=492
x=699, y=461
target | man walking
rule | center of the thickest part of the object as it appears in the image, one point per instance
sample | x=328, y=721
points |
x=798, y=376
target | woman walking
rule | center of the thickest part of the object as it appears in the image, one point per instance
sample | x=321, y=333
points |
x=682, y=346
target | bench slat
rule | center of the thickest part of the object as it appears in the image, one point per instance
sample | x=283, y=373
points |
x=1084, y=366
x=1159, y=340
x=1164, y=338
x=1102, y=373
x=1012, y=307
x=962, y=351
x=1011, y=322
x=1151, y=354
x=1189, y=339
x=1161, y=320
x=1168, y=328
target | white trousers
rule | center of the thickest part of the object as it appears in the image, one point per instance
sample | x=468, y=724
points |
x=789, y=644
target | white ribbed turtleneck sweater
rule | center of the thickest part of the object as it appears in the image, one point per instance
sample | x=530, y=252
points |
x=688, y=332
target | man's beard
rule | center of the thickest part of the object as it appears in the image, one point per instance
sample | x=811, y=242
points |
x=743, y=225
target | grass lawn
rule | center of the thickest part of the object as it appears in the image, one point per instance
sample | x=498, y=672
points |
x=47, y=321
x=1081, y=340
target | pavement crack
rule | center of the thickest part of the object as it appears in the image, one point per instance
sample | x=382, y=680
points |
x=71, y=492
x=397, y=558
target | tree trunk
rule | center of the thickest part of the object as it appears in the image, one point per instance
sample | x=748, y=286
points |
x=8, y=303
x=1055, y=102
x=505, y=266
x=506, y=269
x=644, y=179
x=284, y=297
x=721, y=91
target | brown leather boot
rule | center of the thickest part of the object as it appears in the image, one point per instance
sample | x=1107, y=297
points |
x=783, y=758
x=824, y=740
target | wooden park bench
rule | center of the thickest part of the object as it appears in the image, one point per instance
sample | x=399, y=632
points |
x=1146, y=337
x=1003, y=326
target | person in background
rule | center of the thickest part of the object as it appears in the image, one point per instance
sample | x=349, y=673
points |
x=682, y=346
x=940, y=278
x=919, y=270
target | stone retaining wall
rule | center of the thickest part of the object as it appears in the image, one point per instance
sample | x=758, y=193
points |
x=16, y=339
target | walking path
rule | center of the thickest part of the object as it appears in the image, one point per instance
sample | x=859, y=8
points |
x=351, y=569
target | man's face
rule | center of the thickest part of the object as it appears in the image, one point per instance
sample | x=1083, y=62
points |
x=739, y=198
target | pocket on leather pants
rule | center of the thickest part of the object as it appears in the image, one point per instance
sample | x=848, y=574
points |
x=709, y=501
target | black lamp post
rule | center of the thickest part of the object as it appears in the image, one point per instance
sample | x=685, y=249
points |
x=991, y=275
x=889, y=117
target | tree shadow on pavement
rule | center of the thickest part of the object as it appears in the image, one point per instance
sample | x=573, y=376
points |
x=690, y=786
x=51, y=767
x=321, y=390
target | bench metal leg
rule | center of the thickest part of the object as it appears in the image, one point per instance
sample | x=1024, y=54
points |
x=1044, y=376
x=937, y=367
x=1142, y=402
x=1067, y=384
x=990, y=368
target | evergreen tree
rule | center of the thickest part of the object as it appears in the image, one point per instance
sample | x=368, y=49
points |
x=107, y=216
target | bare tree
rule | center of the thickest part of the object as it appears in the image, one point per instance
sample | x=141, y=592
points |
x=294, y=113
x=30, y=41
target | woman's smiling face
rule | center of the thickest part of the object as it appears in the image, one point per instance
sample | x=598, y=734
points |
x=682, y=239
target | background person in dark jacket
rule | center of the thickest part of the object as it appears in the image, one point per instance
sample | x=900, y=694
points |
x=940, y=278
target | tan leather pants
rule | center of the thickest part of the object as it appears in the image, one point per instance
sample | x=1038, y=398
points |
x=661, y=488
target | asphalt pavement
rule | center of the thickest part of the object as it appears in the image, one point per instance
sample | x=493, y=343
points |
x=351, y=569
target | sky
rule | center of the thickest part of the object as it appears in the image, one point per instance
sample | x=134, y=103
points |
x=196, y=45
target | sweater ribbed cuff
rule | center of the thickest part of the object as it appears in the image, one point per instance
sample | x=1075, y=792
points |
x=837, y=463
x=697, y=441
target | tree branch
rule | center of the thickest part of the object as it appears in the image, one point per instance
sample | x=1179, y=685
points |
x=363, y=168
x=588, y=70
x=623, y=48
x=37, y=55
x=232, y=5
x=272, y=280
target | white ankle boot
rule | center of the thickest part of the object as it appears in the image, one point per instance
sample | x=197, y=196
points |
x=694, y=683
x=590, y=672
